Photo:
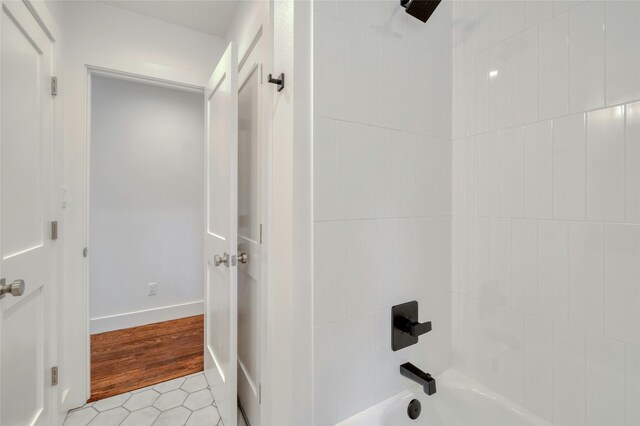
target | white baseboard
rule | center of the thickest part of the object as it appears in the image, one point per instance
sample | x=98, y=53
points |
x=148, y=316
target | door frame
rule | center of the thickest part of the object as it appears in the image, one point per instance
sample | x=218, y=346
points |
x=93, y=70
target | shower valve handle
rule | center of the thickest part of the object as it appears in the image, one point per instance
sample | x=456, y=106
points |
x=405, y=326
x=414, y=328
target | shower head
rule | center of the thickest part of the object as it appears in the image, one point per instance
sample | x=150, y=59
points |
x=421, y=9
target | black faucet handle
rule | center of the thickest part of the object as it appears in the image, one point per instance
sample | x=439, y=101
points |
x=405, y=327
x=419, y=328
x=414, y=328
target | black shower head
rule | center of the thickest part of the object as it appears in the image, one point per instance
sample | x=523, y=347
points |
x=421, y=9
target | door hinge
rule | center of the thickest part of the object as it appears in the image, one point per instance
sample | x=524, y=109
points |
x=54, y=86
x=85, y=252
x=54, y=376
x=260, y=393
x=54, y=230
x=260, y=233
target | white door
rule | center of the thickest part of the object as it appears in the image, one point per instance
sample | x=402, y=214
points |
x=251, y=147
x=221, y=227
x=26, y=250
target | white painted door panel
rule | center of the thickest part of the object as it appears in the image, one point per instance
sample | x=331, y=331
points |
x=251, y=145
x=221, y=192
x=26, y=251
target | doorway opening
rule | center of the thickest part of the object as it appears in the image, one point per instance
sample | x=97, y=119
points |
x=146, y=219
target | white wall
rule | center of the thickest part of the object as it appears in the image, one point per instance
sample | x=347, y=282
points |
x=546, y=229
x=146, y=210
x=101, y=35
x=382, y=197
x=249, y=15
x=132, y=42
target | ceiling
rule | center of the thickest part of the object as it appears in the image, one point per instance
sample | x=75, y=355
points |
x=211, y=17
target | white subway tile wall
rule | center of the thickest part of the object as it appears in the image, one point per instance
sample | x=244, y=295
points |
x=487, y=164
x=546, y=205
x=382, y=197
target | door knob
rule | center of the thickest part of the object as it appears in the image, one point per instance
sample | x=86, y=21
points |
x=221, y=260
x=16, y=288
x=243, y=257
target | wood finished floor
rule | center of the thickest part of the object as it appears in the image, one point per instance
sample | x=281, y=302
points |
x=133, y=358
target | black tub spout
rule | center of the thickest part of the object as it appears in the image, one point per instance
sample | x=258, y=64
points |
x=412, y=372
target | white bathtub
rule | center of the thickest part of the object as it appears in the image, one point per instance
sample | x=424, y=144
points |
x=458, y=401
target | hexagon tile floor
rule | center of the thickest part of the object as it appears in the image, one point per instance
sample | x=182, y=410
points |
x=182, y=401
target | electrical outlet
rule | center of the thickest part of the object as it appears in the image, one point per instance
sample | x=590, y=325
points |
x=153, y=289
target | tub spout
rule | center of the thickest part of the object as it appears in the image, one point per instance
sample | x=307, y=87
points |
x=412, y=372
